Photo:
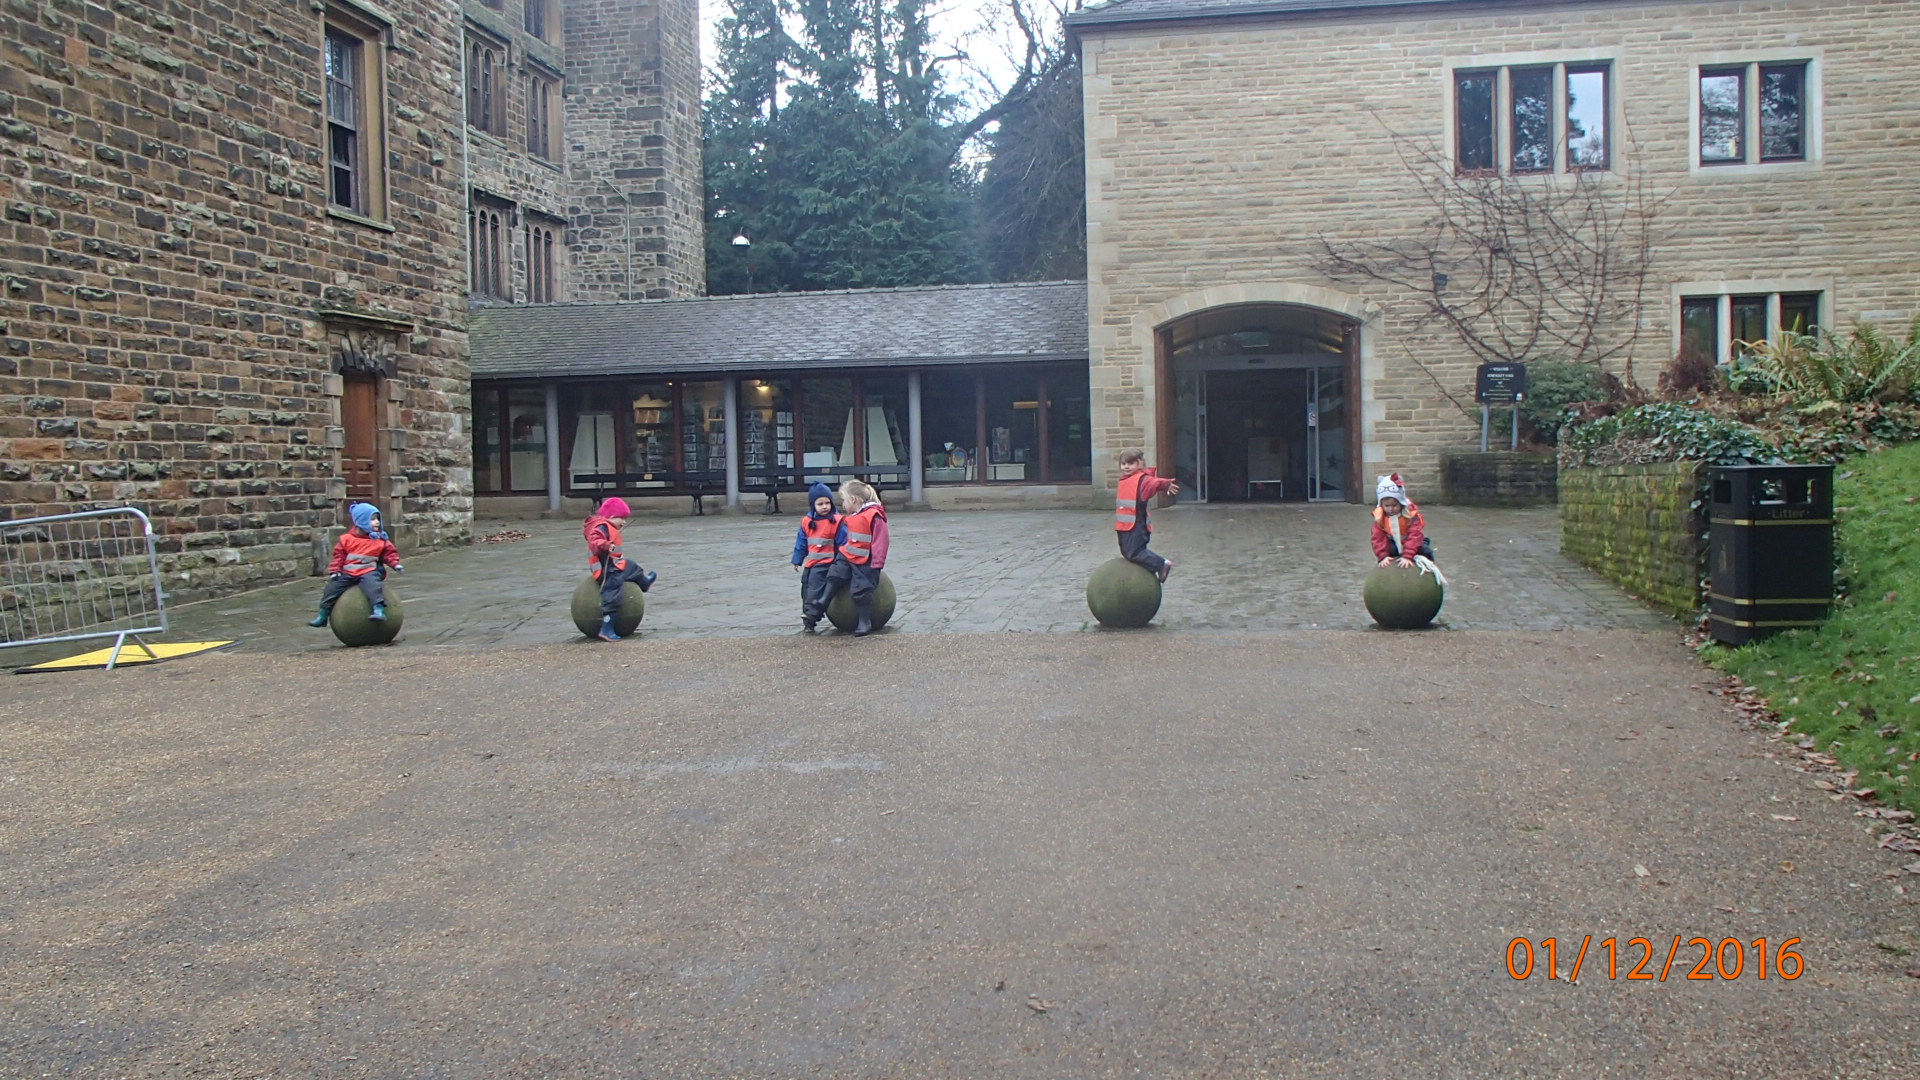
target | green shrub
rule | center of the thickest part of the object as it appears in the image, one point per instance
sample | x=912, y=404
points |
x=1865, y=365
x=1663, y=431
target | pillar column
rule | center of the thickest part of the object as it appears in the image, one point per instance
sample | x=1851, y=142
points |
x=916, y=491
x=732, y=423
x=553, y=446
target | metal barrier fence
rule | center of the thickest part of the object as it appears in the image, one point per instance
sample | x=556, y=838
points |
x=72, y=577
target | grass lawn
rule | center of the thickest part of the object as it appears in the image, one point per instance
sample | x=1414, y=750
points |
x=1852, y=686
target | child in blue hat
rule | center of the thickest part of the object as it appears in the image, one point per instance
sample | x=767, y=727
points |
x=360, y=557
x=813, y=550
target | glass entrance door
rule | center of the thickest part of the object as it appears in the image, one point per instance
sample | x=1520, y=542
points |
x=1327, y=436
x=1190, y=435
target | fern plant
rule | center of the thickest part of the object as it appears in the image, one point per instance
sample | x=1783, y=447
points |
x=1865, y=365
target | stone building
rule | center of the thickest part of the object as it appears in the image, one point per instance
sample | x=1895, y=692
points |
x=1229, y=142
x=583, y=150
x=239, y=243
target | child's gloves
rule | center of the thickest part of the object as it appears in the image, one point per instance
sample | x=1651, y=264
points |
x=398, y=569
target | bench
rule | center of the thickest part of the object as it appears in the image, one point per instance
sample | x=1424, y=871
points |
x=694, y=485
x=772, y=483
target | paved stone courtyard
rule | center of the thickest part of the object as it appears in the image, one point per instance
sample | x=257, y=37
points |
x=1243, y=568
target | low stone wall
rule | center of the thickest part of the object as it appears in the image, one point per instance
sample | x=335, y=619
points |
x=1638, y=526
x=1498, y=477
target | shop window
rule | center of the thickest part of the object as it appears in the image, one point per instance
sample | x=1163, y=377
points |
x=590, y=434
x=1068, y=415
x=883, y=431
x=650, y=449
x=950, y=426
x=1013, y=425
x=526, y=440
x=703, y=428
x=356, y=180
x=1739, y=100
x=766, y=432
x=486, y=440
x=1551, y=118
x=826, y=428
x=1720, y=328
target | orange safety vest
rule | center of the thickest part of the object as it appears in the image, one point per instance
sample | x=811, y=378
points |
x=1127, y=508
x=619, y=561
x=859, y=546
x=820, y=536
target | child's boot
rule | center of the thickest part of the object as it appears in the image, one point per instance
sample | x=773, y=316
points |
x=810, y=621
x=607, y=632
x=320, y=619
x=379, y=613
x=647, y=579
x=865, y=625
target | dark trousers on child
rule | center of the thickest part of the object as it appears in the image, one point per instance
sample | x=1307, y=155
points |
x=373, y=583
x=1133, y=548
x=612, y=580
x=859, y=580
x=816, y=588
x=1426, y=548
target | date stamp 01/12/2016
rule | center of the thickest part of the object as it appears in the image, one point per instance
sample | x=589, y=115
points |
x=1637, y=959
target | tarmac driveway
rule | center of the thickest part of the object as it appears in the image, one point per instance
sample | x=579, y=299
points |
x=1176, y=853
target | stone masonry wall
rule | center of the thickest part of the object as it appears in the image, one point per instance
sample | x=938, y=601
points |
x=179, y=300
x=1497, y=477
x=1219, y=155
x=502, y=165
x=1638, y=526
x=633, y=150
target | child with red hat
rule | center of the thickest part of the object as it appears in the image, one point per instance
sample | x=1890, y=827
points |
x=1399, y=532
x=608, y=564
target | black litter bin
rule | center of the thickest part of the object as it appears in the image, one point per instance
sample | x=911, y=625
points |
x=1770, y=547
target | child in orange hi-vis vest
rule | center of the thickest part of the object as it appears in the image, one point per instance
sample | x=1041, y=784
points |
x=1399, y=532
x=609, y=565
x=1138, y=488
x=360, y=558
x=814, y=548
x=864, y=540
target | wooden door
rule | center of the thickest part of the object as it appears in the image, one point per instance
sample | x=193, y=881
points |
x=359, y=460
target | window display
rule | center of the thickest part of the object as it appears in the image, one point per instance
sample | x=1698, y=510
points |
x=949, y=422
x=486, y=440
x=527, y=429
x=1013, y=425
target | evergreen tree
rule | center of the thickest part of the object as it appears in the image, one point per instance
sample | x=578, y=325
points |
x=1033, y=197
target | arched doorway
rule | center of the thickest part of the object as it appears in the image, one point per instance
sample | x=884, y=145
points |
x=1262, y=404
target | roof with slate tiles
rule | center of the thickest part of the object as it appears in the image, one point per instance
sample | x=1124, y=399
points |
x=920, y=327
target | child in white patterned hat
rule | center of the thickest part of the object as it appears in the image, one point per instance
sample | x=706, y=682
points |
x=1399, y=532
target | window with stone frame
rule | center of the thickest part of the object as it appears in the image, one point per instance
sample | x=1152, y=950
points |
x=354, y=74
x=1738, y=101
x=486, y=84
x=543, y=255
x=540, y=18
x=1723, y=328
x=489, y=243
x=543, y=115
x=1542, y=118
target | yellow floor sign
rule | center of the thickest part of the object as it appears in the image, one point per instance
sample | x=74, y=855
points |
x=130, y=654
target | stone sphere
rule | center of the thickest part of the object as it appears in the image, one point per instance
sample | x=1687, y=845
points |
x=586, y=608
x=844, y=616
x=351, y=624
x=1402, y=598
x=1123, y=594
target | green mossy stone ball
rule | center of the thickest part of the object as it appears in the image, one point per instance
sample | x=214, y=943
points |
x=586, y=608
x=351, y=623
x=1123, y=594
x=1402, y=598
x=844, y=616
